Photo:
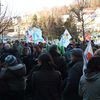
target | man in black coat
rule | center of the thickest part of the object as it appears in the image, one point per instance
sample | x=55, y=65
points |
x=74, y=74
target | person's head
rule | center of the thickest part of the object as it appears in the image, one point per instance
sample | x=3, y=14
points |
x=26, y=51
x=53, y=49
x=93, y=65
x=36, y=48
x=76, y=54
x=97, y=53
x=17, y=42
x=45, y=60
x=7, y=46
x=11, y=60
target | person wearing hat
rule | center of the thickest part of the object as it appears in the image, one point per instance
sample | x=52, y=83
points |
x=74, y=74
x=13, y=73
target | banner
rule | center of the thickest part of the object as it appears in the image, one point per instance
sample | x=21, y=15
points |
x=65, y=39
x=34, y=35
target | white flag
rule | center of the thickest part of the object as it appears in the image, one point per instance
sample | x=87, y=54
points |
x=65, y=39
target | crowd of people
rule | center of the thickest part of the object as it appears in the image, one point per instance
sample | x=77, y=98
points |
x=31, y=71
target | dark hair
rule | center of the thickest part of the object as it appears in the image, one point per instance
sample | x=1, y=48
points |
x=93, y=64
x=52, y=48
x=46, y=61
x=44, y=58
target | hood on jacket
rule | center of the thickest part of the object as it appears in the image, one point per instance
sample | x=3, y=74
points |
x=92, y=76
x=16, y=67
x=19, y=69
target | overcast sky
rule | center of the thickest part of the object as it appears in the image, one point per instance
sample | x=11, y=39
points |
x=20, y=7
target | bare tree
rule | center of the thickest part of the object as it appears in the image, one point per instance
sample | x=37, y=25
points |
x=5, y=22
x=77, y=9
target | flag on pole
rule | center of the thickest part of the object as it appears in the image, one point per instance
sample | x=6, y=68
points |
x=88, y=53
x=65, y=39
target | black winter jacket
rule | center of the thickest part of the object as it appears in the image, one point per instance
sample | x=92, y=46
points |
x=71, y=88
x=46, y=85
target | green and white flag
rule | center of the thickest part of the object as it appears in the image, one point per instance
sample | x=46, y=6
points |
x=65, y=39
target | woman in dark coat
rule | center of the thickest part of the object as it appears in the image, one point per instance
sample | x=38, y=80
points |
x=46, y=82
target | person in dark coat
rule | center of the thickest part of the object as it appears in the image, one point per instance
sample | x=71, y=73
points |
x=13, y=75
x=46, y=82
x=59, y=61
x=26, y=58
x=3, y=85
x=74, y=74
